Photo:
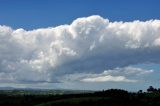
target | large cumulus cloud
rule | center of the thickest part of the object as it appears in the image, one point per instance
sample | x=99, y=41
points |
x=88, y=45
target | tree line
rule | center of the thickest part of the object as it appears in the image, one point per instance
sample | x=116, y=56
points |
x=110, y=97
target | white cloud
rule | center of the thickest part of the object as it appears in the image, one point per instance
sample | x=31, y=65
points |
x=128, y=71
x=108, y=78
x=89, y=44
x=125, y=74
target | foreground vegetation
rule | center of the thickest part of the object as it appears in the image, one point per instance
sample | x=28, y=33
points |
x=111, y=97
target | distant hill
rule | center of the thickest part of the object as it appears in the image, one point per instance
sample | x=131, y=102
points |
x=32, y=91
x=6, y=88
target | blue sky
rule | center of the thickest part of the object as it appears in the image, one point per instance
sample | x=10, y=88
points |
x=80, y=44
x=32, y=14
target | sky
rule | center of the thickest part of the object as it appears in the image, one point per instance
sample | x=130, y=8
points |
x=80, y=44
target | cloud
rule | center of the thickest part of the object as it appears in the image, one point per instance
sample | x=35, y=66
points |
x=88, y=45
x=128, y=71
x=108, y=78
x=126, y=74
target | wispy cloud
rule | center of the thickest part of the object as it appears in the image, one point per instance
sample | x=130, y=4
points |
x=125, y=74
x=108, y=78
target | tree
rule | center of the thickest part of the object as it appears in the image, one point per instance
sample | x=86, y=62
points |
x=159, y=90
x=140, y=91
x=151, y=89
